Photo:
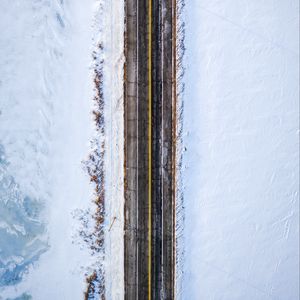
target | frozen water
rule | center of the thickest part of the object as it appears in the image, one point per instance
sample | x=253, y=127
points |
x=45, y=128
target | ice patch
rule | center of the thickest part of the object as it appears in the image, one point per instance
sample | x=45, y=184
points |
x=24, y=296
x=21, y=242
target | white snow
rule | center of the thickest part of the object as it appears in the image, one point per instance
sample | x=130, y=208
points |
x=113, y=42
x=47, y=90
x=46, y=125
x=241, y=167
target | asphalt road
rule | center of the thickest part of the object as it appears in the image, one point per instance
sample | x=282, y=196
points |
x=149, y=149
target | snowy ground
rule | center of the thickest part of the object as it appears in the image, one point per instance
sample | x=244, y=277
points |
x=46, y=125
x=113, y=40
x=241, y=167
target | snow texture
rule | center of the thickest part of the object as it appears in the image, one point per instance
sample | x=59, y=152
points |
x=241, y=165
x=113, y=42
x=46, y=126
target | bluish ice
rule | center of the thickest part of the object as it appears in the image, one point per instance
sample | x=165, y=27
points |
x=21, y=230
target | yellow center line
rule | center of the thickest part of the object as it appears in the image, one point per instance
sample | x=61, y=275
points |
x=149, y=145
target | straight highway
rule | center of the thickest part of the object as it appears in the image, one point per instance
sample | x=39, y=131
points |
x=149, y=149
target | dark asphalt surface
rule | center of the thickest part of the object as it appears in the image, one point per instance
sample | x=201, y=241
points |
x=137, y=103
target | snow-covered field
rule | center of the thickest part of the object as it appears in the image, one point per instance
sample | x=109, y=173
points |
x=241, y=165
x=240, y=171
x=46, y=125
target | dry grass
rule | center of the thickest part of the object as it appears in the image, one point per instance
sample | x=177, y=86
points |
x=95, y=168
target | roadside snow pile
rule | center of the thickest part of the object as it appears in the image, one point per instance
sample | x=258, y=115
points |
x=241, y=167
x=105, y=161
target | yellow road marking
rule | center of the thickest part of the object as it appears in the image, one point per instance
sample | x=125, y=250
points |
x=149, y=145
x=174, y=143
